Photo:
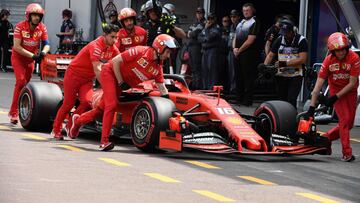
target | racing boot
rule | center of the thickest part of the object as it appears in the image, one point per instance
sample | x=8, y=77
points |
x=14, y=119
x=346, y=158
x=106, y=147
x=57, y=135
x=75, y=128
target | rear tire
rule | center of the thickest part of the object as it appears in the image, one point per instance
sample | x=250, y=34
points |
x=149, y=118
x=38, y=105
x=281, y=119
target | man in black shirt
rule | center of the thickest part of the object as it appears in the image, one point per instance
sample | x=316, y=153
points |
x=210, y=39
x=246, y=48
x=160, y=24
x=290, y=50
x=233, y=62
x=67, y=31
x=194, y=48
x=5, y=39
x=113, y=17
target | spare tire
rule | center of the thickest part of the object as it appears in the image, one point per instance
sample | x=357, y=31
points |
x=281, y=118
x=148, y=119
x=38, y=105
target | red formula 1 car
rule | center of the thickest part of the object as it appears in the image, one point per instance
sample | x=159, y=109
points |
x=200, y=120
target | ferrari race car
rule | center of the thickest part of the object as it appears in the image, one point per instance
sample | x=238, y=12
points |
x=200, y=120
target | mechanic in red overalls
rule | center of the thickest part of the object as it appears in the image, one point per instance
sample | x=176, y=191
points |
x=136, y=65
x=341, y=68
x=78, y=80
x=130, y=35
x=27, y=36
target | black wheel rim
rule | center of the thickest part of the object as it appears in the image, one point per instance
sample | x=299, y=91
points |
x=142, y=123
x=25, y=106
x=267, y=126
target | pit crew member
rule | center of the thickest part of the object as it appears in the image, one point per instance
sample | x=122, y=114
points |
x=130, y=35
x=78, y=80
x=136, y=65
x=341, y=69
x=27, y=37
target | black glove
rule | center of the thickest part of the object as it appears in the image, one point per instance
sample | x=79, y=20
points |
x=261, y=67
x=329, y=102
x=42, y=55
x=37, y=58
x=309, y=113
x=165, y=96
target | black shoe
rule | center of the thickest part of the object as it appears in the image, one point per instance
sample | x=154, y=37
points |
x=348, y=158
x=106, y=147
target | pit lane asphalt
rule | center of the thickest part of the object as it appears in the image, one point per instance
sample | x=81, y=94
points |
x=34, y=168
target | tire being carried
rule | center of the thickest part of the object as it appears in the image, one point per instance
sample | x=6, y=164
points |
x=279, y=118
x=148, y=119
x=38, y=104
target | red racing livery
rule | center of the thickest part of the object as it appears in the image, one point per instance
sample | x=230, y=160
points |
x=127, y=40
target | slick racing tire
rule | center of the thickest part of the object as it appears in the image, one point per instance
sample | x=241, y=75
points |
x=38, y=104
x=280, y=119
x=149, y=118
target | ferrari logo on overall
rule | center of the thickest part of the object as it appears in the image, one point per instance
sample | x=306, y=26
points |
x=142, y=62
x=25, y=34
x=334, y=67
x=126, y=41
x=137, y=39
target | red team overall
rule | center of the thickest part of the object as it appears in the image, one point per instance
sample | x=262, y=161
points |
x=27, y=36
x=341, y=68
x=130, y=35
x=132, y=67
x=78, y=80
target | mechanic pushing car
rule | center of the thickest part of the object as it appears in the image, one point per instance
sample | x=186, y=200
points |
x=130, y=35
x=78, y=80
x=136, y=65
x=27, y=36
x=341, y=68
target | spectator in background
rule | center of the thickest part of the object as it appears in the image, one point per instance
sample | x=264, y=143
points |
x=290, y=51
x=272, y=34
x=5, y=39
x=246, y=48
x=159, y=23
x=233, y=62
x=194, y=48
x=67, y=30
x=224, y=50
x=210, y=39
x=140, y=20
x=113, y=17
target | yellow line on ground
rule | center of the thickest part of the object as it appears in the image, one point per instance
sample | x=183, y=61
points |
x=257, y=180
x=4, y=112
x=355, y=139
x=114, y=162
x=316, y=197
x=34, y=137
x=162, y=178
x=2, y=127
x=71, y=148
x=214, y=196
x=202, y=164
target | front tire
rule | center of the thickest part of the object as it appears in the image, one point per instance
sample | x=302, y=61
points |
x=149, y=118
x=38, y=105
x=279, y=117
